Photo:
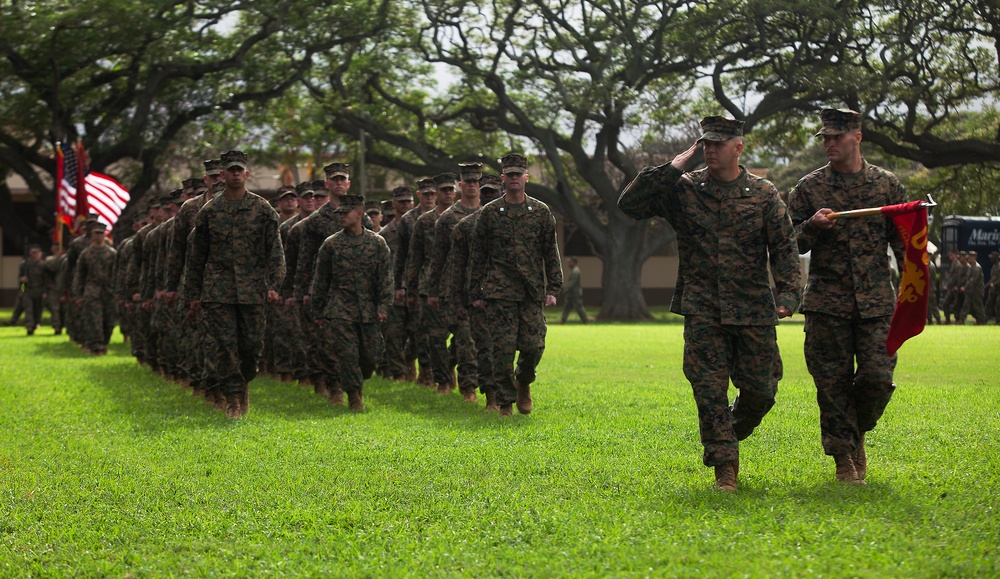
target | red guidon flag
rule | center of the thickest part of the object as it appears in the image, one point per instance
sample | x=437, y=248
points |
x=911, y=304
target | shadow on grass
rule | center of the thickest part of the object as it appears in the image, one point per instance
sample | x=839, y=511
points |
x=155, y=404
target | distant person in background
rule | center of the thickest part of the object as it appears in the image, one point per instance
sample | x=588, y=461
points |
x=933, y=313
x=993, y=289
x=33, y=283
x=974, y=290
x=573, y=292
x=94, y=288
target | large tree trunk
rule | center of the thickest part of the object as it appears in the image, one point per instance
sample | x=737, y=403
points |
x=621, y=278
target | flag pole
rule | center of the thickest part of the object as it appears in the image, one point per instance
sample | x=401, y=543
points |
x=873, y=210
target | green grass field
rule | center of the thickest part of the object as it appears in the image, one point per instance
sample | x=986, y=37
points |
x=106, y=470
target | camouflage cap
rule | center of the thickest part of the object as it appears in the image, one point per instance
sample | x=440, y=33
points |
x=305, y=189
x=350, y=202
x=470, y=171
x=373, y=207
x=387, y=208
x=235, y=159
x=490, y=181
x=337, y=169
x=199, y=187
x=218, y=187
x=445, y=180
x=720, y=129
x=189, y=185
x=839, y=121
x=98, y=227
x=285, y=191
x=402, y=194
x=426, y=185
x=213, y=166
x=154, y=203
x=319, y=188
x=513, y=163
x=174, y=197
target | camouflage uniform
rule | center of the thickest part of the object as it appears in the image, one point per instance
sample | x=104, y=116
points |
x=433, y=325
x=393, y=330
x=314, y=230
x=933, y=312
x=55, y=286
x=974, y=289
x=437, y=283
x=401, y=257
x=93, y=280
x=34, y=291
x=458, y=291
x=288, y=340
x=514, y=264
x=954, y=298
x=352, y=285
x=192, y=363
x=573, y=291
x=727, y=236
x=73, y=252
x=133, y=285
x=849, y=299
x=993, y=294
x=302, y=350
x=147, y=293
x=235, y=259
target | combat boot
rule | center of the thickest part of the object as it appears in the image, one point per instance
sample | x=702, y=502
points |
x=320, y=388
x=424, y=378
x=354, y=401
x=336, y=395
x=846, y=472
x=861, y=459
x=523, y=397
x=725, y=476
x=411, y=371
x=233, y=410
x=491, y=401
x=443, y=388
x=506, y=410
x=470, y=396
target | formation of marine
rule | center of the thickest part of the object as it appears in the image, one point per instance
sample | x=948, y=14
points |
x=322, y=288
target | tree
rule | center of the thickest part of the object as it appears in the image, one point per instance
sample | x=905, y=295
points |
x=126, y=78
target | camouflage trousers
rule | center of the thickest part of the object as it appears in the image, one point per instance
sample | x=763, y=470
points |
x=993, y=302
x=271, y=313
x=57, y=310
x=288, y=341
x=97, y=322
x=479, y=329
x=515, y=327
x=32, y=310
x=233, y=345
x=853, y=375
x=714, y=354
x=192, y=346
x=354, y=348
x=973, y=306
x=399, y=351
x=434, y=331
x=312, y=364
x=140, y=329
x=952, y=304
x=421, y=344
x=462, y=352
x=168, y=339
x=573, y=304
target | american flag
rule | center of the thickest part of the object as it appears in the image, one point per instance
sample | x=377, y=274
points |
x=104, y=196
